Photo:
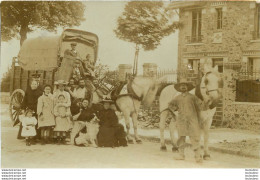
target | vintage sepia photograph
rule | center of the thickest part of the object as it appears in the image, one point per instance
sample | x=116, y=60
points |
x=130, y=84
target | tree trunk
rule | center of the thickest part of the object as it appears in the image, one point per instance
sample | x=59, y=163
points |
x=23, y=33
x=135, y=69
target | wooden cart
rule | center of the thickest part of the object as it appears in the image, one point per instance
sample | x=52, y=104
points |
x=43, y=55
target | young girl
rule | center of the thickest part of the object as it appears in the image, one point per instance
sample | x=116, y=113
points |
x=62, y=118
x=46, y=120
x=28, y=123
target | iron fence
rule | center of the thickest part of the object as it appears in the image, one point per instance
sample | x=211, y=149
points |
x=248, y=86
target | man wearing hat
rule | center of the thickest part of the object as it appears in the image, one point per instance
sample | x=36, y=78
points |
x=72, y=53
x=188, y=118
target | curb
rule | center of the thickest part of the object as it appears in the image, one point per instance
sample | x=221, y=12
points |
x=211, y=148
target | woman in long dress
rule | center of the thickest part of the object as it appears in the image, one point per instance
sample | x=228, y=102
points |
x=32, y=93
x=46, y=120
x=111, y=133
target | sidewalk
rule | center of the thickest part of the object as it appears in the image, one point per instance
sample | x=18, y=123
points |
x=224, y=140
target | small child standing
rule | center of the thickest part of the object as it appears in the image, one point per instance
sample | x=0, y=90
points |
x=28, y=123
x=62, y=118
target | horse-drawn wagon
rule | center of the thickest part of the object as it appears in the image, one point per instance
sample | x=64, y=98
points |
x=45, y=56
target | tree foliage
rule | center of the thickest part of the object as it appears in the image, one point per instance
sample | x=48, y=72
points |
x=145, y=23
x=20, y=17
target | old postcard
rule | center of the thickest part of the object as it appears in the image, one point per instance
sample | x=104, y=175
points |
x=130, y=84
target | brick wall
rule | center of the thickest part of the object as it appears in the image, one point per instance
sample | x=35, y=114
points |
x=236, y=46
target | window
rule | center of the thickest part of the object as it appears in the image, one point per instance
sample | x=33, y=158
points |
x=218, y=62
x=196, y=26
x=194, y=64
x=219, y=18
x=256, y=33
x=253, y=64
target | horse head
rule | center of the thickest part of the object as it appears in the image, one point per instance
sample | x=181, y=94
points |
x=211, y=85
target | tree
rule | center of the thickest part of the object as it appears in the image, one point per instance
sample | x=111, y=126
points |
x=145, y=24
x=21, y=17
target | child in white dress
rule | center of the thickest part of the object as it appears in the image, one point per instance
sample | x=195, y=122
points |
x=28, y=122
x=62, y=118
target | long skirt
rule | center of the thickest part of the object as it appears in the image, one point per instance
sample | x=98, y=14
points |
x=111, y=136
x=62, y=124
x=65, y=69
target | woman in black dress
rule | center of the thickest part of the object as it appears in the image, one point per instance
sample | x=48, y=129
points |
x=30, y=101
x=111, y=133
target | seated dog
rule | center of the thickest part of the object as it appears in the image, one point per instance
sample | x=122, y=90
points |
x=90, y=137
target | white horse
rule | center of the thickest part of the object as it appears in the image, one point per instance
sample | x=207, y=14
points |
x=209, y=91
x=144, y=90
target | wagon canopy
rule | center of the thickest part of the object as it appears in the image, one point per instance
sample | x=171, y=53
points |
x=39, y=53
x=44, y=53
x=87, y=43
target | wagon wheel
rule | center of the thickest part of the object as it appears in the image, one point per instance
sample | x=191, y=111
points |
x=15, y=105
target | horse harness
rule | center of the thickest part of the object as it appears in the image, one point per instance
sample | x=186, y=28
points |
x=208, y=91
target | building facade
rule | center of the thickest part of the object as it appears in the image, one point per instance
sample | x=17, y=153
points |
x=227, y=35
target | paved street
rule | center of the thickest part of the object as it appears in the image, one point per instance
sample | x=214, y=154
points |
x=147, y=155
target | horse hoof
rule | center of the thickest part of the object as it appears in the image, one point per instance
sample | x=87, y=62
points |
x=206, y=157
x=130, y=141
x=175, y=149
x=163, y=148
x=138, y=141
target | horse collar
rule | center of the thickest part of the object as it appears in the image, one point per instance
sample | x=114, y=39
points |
x=132, y=92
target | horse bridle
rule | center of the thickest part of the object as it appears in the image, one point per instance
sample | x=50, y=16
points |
x=208, y=91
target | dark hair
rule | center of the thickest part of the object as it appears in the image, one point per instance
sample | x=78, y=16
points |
x=28, y=110
x=61, y=95
x=82, y=80
x=47, y=85
x=84, y=99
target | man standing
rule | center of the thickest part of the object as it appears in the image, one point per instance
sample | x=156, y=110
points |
x=67, y=64
x=72, y=53
x=188, y=118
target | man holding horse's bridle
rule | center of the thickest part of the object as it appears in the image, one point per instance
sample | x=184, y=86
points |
x=188, y=119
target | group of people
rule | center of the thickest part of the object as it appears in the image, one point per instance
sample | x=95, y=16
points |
x=52, y=117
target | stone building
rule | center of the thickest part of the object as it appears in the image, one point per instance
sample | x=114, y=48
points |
x=227, y=35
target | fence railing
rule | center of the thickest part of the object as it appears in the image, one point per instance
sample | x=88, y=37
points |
x=248, y=86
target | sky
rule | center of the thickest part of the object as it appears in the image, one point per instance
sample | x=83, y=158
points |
x=101, y=19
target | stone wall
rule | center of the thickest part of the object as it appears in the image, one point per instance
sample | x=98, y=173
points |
x=235, y=44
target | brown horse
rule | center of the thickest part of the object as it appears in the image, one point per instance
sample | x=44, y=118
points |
x=209, y=91
x=140, y=89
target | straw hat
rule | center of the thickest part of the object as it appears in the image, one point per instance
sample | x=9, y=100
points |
x=60, y=82
x=183, y=81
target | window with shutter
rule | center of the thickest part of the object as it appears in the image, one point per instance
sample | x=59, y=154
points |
x=196, y=26
x=219, y=18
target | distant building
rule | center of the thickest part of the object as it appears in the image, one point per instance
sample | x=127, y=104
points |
x=227, y=35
